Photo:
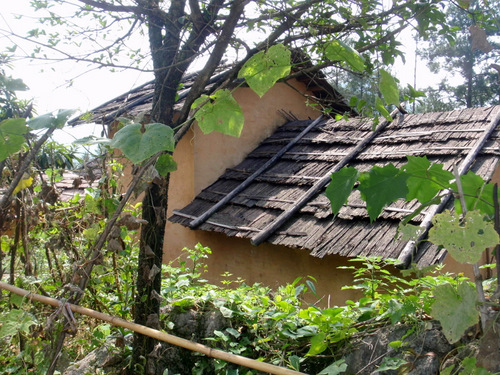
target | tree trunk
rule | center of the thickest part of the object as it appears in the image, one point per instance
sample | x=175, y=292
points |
x=147, y=306
x=469, y=77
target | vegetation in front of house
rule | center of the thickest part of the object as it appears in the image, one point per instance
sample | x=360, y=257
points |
x=275, y=326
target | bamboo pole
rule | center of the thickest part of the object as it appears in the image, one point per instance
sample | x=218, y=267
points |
x=271, y=228
x=171, y=339
x=410, y=250
x=202, y=218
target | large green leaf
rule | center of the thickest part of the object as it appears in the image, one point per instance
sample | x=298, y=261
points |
x=51, y=120
x=426, y=179
x=318, y=344
x=382, y=186
x=165, y=164
x=336, y=368
x=340, y=187
x=455, y=308
x=220, y=113
x=379, y=106
x=477, y=194
x=16, y=321
x=391, y=363
x=138, y=142
x=389, y=88
x=465, y=241
x=12, y=84
x=339, y=51
x=12, y=138
x=264, y=68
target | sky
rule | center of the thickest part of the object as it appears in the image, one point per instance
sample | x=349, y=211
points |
x=49, y=82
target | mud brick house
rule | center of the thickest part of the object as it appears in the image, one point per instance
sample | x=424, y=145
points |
x=278, y=225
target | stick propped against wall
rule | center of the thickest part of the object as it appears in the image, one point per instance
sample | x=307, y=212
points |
x=162, y=336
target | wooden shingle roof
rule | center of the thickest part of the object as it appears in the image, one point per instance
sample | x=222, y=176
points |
x=285, y=189
x=139, y=101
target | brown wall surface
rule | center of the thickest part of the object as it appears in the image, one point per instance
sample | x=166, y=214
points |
x=273, y=266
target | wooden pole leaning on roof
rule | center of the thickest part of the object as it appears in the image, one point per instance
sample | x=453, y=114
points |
x=406, y=255
x=171, y=339
x=202, y=218
x=320, y=184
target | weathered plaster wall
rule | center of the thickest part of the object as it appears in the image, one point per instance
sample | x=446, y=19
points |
x=273, y=266
x=202, y=158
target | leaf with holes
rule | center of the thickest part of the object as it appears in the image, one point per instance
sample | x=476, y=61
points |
x=340, y=187
x=425, y=179
x=264, y=68
x=220, y=112
x=382, y=186
x=11, y=136
x=138, y=143
x=455, y=308
x=464, y=241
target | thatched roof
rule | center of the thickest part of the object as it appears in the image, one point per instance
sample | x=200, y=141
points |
x=446, y=138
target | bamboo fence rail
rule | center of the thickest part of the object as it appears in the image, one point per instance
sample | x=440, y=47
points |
x=171, y=339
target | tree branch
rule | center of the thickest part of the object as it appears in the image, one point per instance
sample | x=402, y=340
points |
x=215, y=57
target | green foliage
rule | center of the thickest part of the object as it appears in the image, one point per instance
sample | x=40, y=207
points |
x=465, y=239
x=10, y=105
x=339, y=51
x=455, y=308
x=55, y=155
x=165, y=164
x=337, y=367
x=452, y=54
x=219, y=112
x=51, y=120
x=382, y=186
x=139, y=142
x=12, y=133
x=467, y=367
x=417, y=179
x=16, y=321
x=389, y=88
x=426, y=179
x=379, y=106
x=340, y=189
x=478, y=195
x=390, y=363
x=265, y=68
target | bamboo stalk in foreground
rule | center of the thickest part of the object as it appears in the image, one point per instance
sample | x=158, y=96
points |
x=171, y=339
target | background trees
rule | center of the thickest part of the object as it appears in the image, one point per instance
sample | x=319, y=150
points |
x=461, y=55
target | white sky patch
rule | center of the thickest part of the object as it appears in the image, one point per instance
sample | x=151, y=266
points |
x=67, y=84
